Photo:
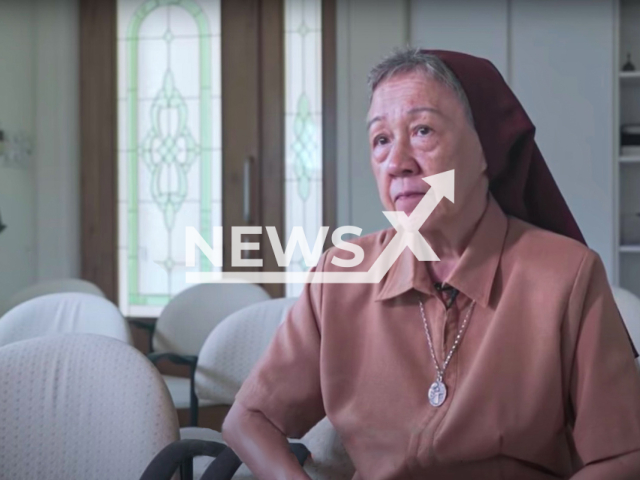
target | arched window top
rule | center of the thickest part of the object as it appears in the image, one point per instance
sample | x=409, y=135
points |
x=150, y=6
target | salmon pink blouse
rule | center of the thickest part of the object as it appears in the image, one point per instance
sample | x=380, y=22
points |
x=543, y=382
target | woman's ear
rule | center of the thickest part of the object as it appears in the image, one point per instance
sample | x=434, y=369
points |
x=479, y=152
x=483, y=162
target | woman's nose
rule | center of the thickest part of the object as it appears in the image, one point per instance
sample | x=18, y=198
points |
x=402, y=162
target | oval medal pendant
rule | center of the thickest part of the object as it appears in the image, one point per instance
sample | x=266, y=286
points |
x=437, y=393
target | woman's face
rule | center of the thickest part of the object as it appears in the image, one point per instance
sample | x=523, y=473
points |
x=417, y=127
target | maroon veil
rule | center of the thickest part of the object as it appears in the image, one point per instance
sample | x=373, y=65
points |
x=519, y=178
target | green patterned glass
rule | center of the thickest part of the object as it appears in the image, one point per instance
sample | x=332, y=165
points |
x=303, y=125
x=169, y=152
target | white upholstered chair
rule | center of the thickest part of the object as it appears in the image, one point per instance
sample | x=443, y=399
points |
x=226, y=359
x=63, y=313
x=185, y=323
x=234, y=347
x=629, y=306
x=80, y=407
x=51, y=286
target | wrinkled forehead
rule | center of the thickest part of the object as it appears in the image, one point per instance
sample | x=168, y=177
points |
x=405, y=94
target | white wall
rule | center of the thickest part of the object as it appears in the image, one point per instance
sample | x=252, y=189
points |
x=477, y=27
x=57, y=139
x=17, y=113
x=562, y=72
x=38, y=95
x=558, y=58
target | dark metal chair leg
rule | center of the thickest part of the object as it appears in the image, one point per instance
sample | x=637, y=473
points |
x=186, y=469
x=193, y=408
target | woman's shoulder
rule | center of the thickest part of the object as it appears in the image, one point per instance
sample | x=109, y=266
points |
x=544, y=251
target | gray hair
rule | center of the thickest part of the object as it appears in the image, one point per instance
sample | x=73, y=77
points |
x=414, y=60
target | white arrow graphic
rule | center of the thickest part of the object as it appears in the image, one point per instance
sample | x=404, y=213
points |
x=408, y=228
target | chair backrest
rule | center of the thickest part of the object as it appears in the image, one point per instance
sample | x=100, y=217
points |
x=629, y=306
x=187, y=320
x=63, y=313
x=50, y=286
x=233, y=348
x=81, y=406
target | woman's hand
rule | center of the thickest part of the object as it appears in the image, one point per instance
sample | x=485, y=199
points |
x=260, y=445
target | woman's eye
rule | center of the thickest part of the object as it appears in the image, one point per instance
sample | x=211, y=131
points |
x=380, y=140
x=423, y=131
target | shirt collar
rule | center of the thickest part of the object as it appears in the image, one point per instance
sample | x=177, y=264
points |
x=473, y=275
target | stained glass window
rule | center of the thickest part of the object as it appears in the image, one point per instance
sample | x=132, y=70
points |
x=303, y=133
x=169, y=152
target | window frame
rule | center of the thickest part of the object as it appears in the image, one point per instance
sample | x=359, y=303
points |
x=98, y=128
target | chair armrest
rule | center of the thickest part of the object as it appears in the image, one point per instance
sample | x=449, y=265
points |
x=149, y=327
x=170, y=458
x=227, y=463
x=178, y=359
x=223, y=467
x=192, y=362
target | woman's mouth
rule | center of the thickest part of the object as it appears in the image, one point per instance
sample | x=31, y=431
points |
x=408, y=196
x=407, y=201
